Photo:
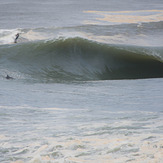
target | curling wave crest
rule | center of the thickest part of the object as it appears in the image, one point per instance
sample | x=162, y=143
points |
x=78, y=59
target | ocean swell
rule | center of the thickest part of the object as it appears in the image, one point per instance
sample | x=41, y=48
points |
x=80, y=59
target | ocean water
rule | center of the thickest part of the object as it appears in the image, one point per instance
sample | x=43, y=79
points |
x=87, y=81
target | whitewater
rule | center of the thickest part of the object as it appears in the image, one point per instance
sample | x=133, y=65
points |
x=86, y=81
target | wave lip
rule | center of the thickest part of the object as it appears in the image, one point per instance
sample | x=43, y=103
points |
x=81, y=59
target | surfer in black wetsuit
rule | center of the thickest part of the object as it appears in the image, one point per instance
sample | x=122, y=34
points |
x=17, y=36
x=9, y=77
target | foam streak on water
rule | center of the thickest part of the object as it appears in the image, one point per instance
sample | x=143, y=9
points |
x=75, y=136
x=93, y=122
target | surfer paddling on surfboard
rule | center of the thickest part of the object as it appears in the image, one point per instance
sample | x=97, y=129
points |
x=17, y=36
x=9, y=77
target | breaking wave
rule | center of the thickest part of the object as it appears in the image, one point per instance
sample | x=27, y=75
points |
x=79, y=59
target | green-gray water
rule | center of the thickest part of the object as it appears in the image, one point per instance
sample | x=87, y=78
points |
x=87, y=81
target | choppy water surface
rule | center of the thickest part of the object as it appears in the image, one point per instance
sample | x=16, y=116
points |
x=87, y=81
x=117, y=121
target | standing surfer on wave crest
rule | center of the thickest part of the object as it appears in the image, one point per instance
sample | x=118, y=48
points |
x=17, y=36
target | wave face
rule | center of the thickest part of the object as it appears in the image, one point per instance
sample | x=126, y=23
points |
x=79, y=60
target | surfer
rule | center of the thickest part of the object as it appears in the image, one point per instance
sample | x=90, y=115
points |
x=17, y=36
x=9, y=77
